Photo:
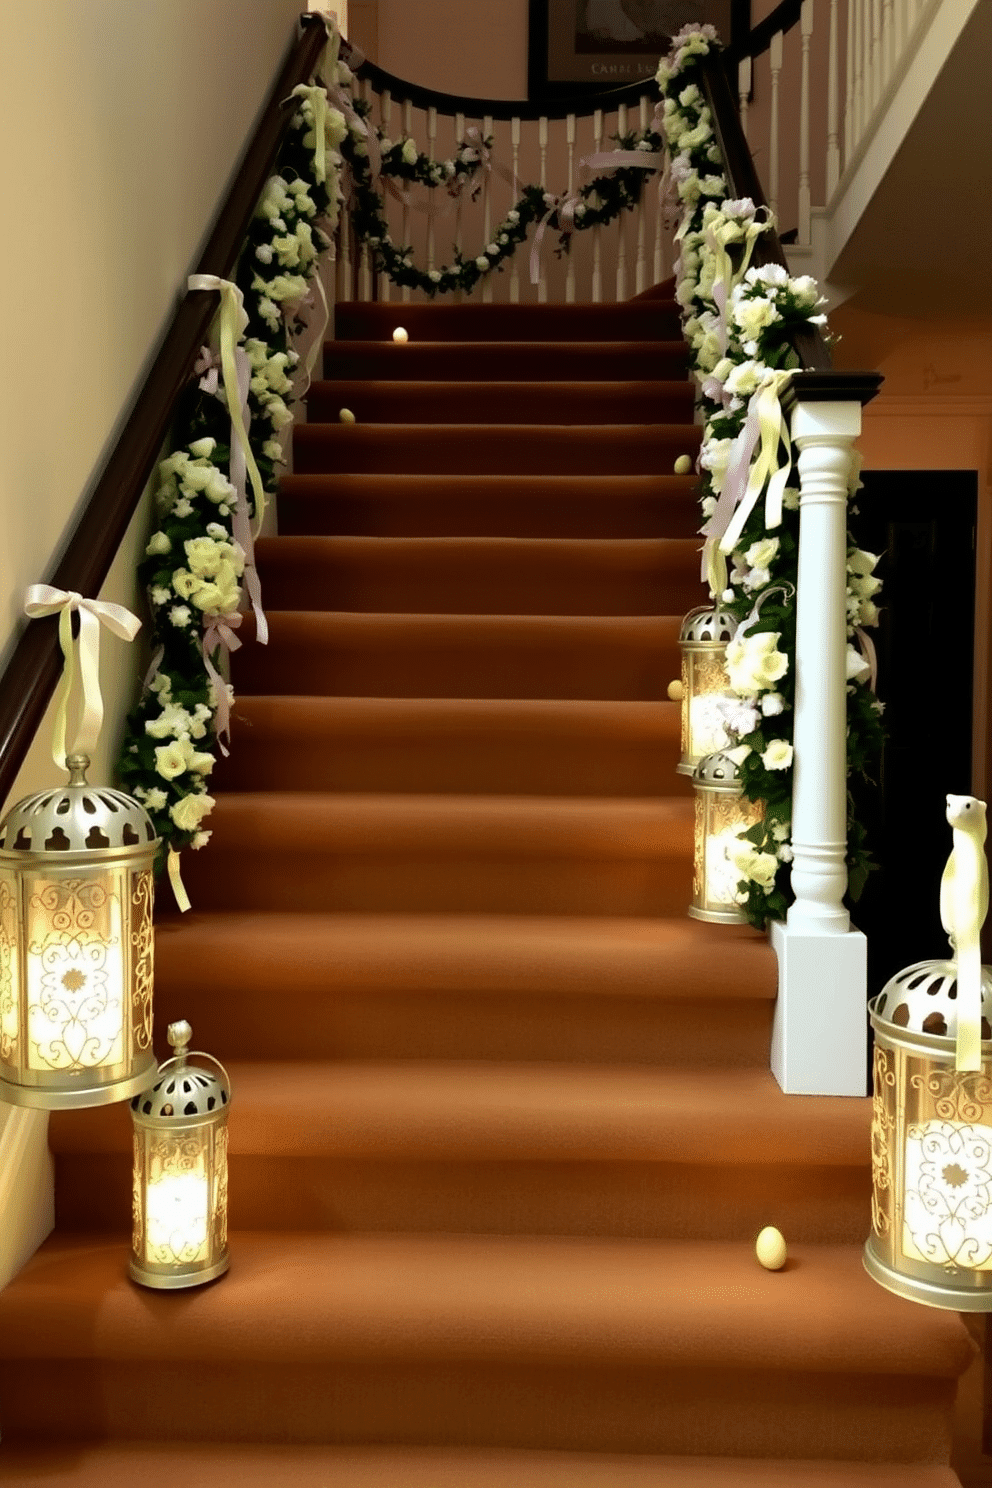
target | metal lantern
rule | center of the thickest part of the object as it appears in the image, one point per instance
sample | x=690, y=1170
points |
x=705, y=685
x=76, y=946
x=180, y=1172
x=723, y=812
x=931, y=1237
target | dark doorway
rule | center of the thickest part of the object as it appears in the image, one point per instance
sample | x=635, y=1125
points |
x=923, y=523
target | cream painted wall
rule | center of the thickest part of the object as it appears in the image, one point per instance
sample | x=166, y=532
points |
x=123, y=127
x=124, y=123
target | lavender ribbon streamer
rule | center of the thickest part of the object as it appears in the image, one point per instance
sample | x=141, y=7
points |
x=565, y=207
x=218, y=631
x=240, y=523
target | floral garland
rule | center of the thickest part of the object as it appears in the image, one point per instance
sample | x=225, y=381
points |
x=595, y=204
x=738, y=321
x=195, y=568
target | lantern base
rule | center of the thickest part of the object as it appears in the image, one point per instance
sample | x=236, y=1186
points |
x=178, y=1280
x=51, y=1098
x=954, y=1299
x=718, y=916
x=687, y=767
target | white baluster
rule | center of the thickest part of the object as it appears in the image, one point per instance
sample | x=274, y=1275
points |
x=459, y=138
x=805, y=204
x=570, y=269
x=641, y=267
x=515, y=260
x=487, y=215
x=621, y=240
x=775, y=59
x=385, y=114
x=857, y=86
x=888, y=40
x=876, y=52
x=597, y=232
x=405, y=219
x=431, y=144
x=659, y=230
x=542, y=140
x=833, y=111
x=819, y=1041
x=744, y=74
x=364, y=257
x=900, y=14
x=345, y=288
x=865, y=63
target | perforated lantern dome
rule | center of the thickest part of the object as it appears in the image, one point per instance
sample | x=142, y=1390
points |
x=931, y=1238
x=76, y=945
x=180, y=1171
x=705, y=684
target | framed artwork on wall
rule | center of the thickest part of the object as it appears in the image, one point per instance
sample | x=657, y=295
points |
x=585, y=46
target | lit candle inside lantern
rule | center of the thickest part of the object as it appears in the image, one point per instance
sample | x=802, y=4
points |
x=76, y=1011
x=177, y=1216
x=707, y=730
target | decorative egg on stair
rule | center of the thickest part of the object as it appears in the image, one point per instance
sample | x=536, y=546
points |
x=345, y=416
x=400, y=334
x=683, y=465
x=771, y=1249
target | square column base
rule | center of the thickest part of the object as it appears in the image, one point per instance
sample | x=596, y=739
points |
x=820, y=1027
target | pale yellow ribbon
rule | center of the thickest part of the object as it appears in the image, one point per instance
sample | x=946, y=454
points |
x=318, y=102
x=233, y=322
x=175, y=879
x=42, y=599
x=765, y=428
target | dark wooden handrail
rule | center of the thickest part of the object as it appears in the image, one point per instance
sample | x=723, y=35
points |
x=449, y=104
x=35, y=665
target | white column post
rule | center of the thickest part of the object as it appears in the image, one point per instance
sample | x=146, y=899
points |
x=819, y=1037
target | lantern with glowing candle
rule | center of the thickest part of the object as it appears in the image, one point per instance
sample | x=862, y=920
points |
x=705, y=685
x=931, y=1237
x=723, y=815
x=180, y=1171
x=75, y=946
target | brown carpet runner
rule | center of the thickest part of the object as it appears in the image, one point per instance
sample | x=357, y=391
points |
x=503, y=1130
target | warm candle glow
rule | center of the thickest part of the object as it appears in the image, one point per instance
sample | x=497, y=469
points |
x=177, y=1217
x=707, y=732
x=948, y=1199
x=75, y=976
x=722, y=873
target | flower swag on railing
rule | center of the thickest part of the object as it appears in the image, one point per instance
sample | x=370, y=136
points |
x=198, y=561
x=738, y=321
x=595, y=203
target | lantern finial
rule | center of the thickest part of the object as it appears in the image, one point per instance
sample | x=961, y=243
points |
x=77, y=765
x=179, y=1036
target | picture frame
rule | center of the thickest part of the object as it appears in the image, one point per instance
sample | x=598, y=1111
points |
x=581, y=47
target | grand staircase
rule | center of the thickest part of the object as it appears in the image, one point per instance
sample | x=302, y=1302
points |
x=503, y=1131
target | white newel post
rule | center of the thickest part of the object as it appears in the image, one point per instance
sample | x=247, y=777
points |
x=819, y=1037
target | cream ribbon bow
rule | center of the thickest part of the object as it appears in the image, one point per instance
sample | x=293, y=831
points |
x=233, y=322
x=764, y=429
x=42, y=599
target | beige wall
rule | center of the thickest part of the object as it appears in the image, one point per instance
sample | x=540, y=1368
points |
x=123, y=124
x=474, y=47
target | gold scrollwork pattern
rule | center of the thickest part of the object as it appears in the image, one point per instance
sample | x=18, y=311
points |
x=948, y=1201
x=220, y=1211
x=883, y=1124
x=177, y=1201
x=137, y=1197
x=9, y=972
x=956, y=1095
x=142, y=958
x=75, y=999
x=684, y=709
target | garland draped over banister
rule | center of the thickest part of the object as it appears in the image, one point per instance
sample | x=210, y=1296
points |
x=199, y=568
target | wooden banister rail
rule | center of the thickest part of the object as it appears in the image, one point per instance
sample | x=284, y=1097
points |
x=450, y=104
x=35, y=665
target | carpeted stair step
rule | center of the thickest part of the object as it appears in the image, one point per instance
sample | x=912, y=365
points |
x=630, y=320
x=465, y=746
x=466, y=402
x=503, y=1148
x=568, y=1344
x=162, y=1464
x=328, y=654
x=546, y=506
x=481, y=449
x=445, y=854
x=483, y=987
x=481, y=575
x=508, y=361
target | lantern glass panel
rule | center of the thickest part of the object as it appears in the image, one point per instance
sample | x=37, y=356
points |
x=722, y=816
x=706, y=686
x=75, y=971
x=10, y=971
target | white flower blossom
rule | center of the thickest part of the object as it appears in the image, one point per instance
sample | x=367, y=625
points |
x=778, y=755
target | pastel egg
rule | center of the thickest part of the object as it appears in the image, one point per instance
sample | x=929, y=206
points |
x=770, y=1249
x=683, y=465
x=345, y=416
x=400, y=334
x=675, y=692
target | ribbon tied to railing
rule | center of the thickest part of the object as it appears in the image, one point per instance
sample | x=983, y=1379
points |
x=718, y=236
x=43, y=599
x=218, y=632
x=566, y=204
x=765, y=429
